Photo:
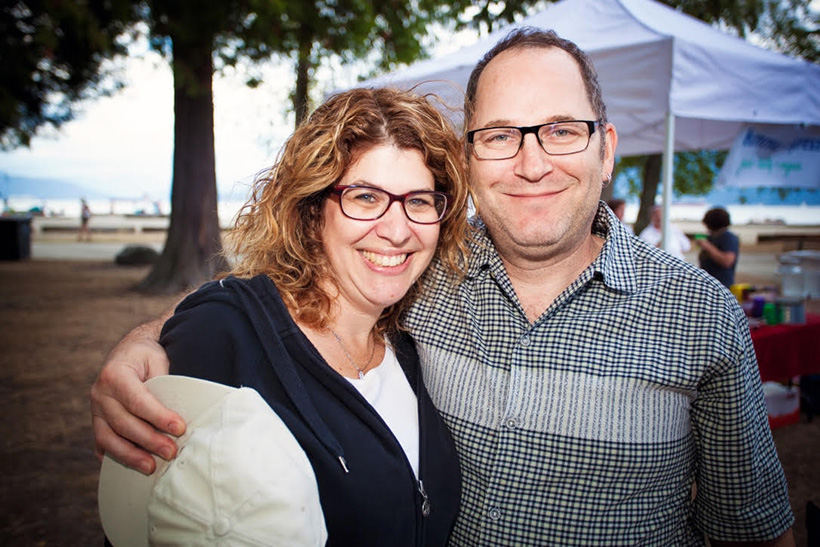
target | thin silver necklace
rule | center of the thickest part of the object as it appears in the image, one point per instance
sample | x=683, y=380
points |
x=349, y=358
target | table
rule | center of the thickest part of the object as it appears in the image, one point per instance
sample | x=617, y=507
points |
x=785, y=351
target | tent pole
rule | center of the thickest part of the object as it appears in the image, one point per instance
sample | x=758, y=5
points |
x=668, y=177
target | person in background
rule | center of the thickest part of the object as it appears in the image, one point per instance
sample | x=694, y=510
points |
x=720, y=250
x=85, y=217
x=618, y=207
x=588, y=378
x=678, y=243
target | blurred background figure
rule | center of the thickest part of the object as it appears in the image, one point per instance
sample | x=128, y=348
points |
x=618, y=207
x=85, y=216
x=720, y=249
x=678, y=242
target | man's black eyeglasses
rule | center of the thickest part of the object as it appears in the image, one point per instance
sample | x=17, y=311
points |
x=555, y=138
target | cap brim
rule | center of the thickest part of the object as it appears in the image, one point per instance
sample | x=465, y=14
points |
x=124, y=493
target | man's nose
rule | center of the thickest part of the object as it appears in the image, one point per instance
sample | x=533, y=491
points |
x=532, y=161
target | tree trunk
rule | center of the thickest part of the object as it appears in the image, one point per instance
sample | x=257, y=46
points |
x=193, y=247
x=300, y=94
x=651, y=179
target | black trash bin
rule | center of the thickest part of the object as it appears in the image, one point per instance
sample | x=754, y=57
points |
x=15, y=238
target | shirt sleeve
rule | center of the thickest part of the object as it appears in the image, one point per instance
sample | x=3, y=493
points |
x=201, y=341
x=741, y=489
x=728, y=242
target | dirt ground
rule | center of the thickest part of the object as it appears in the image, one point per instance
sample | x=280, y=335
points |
x=57, y=322
x=58, y=319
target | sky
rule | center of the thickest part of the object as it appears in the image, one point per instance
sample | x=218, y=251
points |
x=122, y=145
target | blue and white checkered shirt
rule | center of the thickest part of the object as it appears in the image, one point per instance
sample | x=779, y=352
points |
x=590, y=425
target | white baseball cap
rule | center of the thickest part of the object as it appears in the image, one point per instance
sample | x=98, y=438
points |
x=240, y=477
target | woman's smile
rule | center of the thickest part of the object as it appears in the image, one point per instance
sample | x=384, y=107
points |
x=385, y=260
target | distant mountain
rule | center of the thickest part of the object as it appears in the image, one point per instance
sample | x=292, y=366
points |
x=11, y=186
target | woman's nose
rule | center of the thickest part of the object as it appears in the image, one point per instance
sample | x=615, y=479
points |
x=394, y=224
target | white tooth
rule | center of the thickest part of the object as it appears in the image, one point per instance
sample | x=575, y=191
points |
x=384, y=260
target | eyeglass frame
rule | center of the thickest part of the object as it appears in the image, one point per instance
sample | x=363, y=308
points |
x=340, y=189
x=534, y=129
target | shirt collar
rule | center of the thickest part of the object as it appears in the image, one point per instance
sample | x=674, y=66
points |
x=614, y=266
x=482, y=250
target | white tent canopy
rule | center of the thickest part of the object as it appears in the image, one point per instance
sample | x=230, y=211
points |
x=653, y=62
x=670, y=81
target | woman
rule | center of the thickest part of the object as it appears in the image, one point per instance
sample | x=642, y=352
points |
x=332, y=245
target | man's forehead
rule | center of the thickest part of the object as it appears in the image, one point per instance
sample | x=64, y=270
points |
x=531, y=85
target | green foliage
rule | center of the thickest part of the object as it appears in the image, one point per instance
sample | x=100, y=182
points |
x=793, y=27
x=487, y=14
x=53, y=52
x=629, y=169
x=788, y=26
x=385, y=33
x=695, y=172
x=52, y=55
x=740, y=16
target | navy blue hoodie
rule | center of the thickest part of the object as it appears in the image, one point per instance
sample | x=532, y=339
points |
x=238, y=332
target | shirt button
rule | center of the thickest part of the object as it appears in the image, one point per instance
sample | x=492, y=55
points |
x=525, y=341
x=495, y=514
x=512, y=423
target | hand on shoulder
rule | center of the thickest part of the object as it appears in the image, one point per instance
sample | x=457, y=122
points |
x=128, y=422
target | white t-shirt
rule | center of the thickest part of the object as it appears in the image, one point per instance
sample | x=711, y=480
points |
x=678, y=242
x=386, y=388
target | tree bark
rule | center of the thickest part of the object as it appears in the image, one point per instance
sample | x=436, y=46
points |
x=193, y=247
x=300, y=94
x=651, y=179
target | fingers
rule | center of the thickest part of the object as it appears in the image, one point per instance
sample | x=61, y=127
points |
x=126, y=431
x=108, y=442
x=128, y=422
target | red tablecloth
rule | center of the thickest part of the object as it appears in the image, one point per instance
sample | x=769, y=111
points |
x=784, y=351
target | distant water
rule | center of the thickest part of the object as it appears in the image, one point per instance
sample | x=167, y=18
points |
x=764, y=209
x=118, y=206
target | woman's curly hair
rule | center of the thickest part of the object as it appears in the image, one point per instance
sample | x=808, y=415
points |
x=278, y=232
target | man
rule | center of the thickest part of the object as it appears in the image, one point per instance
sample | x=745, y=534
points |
x=652, y=234
x=589, y=379
x=719, y=251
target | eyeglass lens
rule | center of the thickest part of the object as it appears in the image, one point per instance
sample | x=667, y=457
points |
x=364, y=203
x=559, y=138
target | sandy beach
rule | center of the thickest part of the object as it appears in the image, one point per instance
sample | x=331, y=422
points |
x=60, y=313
